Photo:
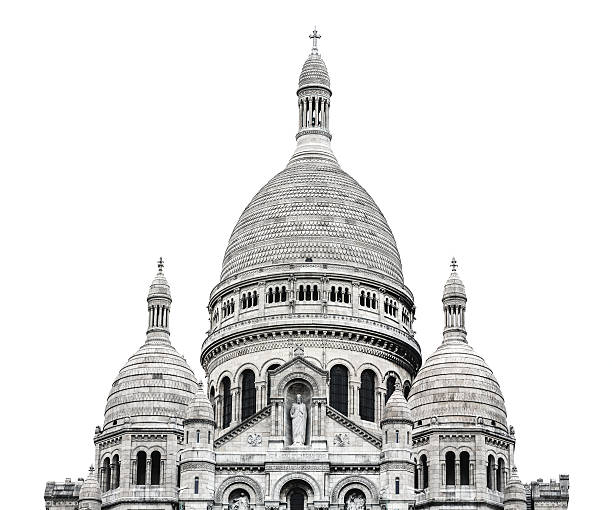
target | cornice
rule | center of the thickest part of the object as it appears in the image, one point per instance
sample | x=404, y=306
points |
x=353, y=427
x=241, y=427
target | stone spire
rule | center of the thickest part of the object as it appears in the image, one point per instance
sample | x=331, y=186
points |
x=314, y=95
x=90, y=496
x=515, y=497
x=159, y=301
x=454, y=300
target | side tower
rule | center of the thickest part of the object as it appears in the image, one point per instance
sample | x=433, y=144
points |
x=137, y=447
x=462, y=442
x=311, y=332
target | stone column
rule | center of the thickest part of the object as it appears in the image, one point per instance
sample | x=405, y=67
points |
x=457, y=472
x=381, y=303
x=443, y=473
x=355, y=297
x=148, y=472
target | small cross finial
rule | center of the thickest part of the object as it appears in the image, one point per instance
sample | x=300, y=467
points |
x=91, y=468
x=160, y=265
x=454, y=265
x=314, y=36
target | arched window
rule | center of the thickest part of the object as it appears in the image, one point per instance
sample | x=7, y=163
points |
x=270, y=368
x=212, y=400
x=500, y=474
x=366, y=395
x=244, y=301
x=425, y=471
x=450, y=468
x=308, y=293
x=490, y=471
x=332, y=294
x=386, y=305
x=368, y=300
x=390, y=387
x=196, y=485
x=276, y=295
x=227, y=402
x=270, y=295
x=301, y=293
x=283, y=294
x=248, y=394
x=209, y=437
x=338, y=388
x=141, y=468
x=232, y=305
x=255, y=298
x=464, y=468
x=397, y=436
x=373, y=299
x=406, y=391
x=197, y=436
x=106, y=482
x=362, y=298
x=249, y=300
x=397, y=486
x=315, y=293
x=117, y=474
x=155, y=467
x=187, y=437
x=347, y=298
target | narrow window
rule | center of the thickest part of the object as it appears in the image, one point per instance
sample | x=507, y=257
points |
x=301, y=293
x=197, y=436
x=397, y=436
x=155, y=468
x=196, y=487
x=500, y=475
x=315, y=293
x=450, y=468
x=276, y=295
x=332, y=295
x=248, y=394
x=255, y=298
x=390, y=387
x=308, y=294
x=368, y=300
x=373, y=300
x=227, y=402
x=284, y=294
x=490, y=470
x=141, y=468
x=270, y=295
x=397, y=487
x=386, y=305
x=386, y=436
x=209, y=437
x=425, y=471
x=187, y=437
x=338, y=389
x=346, y=295
x=362, y=298
x=464, y=468
x=249, y=300
x=106, y=482
x=272, y=367
x=366, y=395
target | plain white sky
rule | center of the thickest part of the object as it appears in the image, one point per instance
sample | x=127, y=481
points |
x=134, y=129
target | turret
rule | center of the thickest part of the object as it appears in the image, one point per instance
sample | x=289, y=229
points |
x=159, y=301
x=398, y=469
x=197, y=461
x=454, y=300
x=514, y=493
x=90, y=496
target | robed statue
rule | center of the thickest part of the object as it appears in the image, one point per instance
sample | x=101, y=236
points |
x=355, y=502
x=298, y=421
x=241, y=502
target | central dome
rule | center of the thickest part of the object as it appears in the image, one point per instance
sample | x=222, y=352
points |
x=312, y=211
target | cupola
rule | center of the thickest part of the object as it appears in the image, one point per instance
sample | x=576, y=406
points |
x=90, y=496
x=454, y=300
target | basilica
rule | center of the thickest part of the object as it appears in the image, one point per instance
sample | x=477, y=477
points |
x=316, y=396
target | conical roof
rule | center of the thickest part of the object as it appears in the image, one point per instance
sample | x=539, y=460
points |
x=314, y=73
x=514, y=492
x=396, y=407
x=200, y=407
x=454, y=288
x=90, y=490
x=159, y=286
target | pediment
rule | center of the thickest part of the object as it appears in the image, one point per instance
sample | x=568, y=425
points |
x=298, y=369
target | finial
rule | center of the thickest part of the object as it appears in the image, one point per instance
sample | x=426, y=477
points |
x=91, y=469
x=200, y=385
x=454, y=265
x=160, y=265
x=314, y=36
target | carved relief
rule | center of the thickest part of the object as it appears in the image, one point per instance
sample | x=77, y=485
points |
x=254, y=439
x=341, y=439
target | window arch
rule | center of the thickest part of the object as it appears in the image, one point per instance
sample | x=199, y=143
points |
x=155, y=468
x=197, y=436
x=116, y=475
x=397, y=486
x=500, y=474
x=390, y=387
x=248, y=394
x=464, y=468
x=490, y=471
x=450, y=468
x=196, y=485
x=141, y=468
x=366, y=395
x=338, y=388
x=424, y=471
x=270, y=368
x=227, y=402
x=106, y=482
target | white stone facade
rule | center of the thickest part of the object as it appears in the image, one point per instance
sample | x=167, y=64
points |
x=315, y=395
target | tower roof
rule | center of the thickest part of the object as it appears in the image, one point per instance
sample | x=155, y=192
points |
x=397, y=407
x=90, y=490
x=159, y=286
x=200, y=407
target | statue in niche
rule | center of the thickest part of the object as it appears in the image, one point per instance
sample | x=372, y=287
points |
x=298, y=421
x=355, y=502
x=241, y=502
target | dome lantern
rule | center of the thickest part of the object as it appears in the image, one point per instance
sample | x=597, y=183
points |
x=314, y=95
x=159, y=300
x=454, y=300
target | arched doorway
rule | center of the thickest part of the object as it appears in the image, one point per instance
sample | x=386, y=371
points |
x=297, y=499
x=297, y=494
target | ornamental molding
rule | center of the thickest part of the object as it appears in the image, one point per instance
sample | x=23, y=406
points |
x=197, y=465
x=148, y=437
x=353, y=427
x=357, y=468
x=239, y=480
x=297, y=465
x=499, y=443
x=110, y=442
x=233, y=468
x=397, y=466
x=318, y=494
x=420, y=441
x=457, y=438
x=349, y=480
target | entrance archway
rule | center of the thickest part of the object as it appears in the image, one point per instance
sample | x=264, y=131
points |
x=297, y=499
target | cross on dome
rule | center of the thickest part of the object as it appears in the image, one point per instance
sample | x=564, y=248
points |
x=454, y=265
x=160, y=265
x=314, y=36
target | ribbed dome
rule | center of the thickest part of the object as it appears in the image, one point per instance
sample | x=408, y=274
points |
x=454, y=288
x=396, y=407
x=455, y=385
x=200, y=407
x=159, y=285
x=154, y=385
x=90, y=490
x=312, y=210
x=314, y=73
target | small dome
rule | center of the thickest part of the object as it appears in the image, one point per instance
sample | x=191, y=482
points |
x=90, y=490
x=154, y=385
x=456, y=384
x=159, y=285
x=454, y=288
x=200, y=407
x=514, y=492
x=396, y=407
x=314, y=73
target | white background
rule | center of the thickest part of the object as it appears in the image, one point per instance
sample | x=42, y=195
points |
x=131, y=130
